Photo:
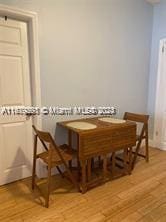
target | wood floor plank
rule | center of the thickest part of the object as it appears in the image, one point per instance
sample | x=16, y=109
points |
x=139, y=197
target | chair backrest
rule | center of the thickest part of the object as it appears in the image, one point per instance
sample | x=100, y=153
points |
x=138, y=118
x=45, y=138
x=47, y=142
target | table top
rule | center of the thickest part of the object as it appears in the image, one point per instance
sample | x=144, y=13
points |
x=101, y=125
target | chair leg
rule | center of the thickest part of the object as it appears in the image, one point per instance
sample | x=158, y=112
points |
x=130, y=160
x=71, y=176
x=104, y=167
x=125, y=157
x=136, y=154
x=113, y=164
x=99, y=160
x=33, y=175
x=48, y=187
x=147, y=151
x=70, y=164
x=147, y=146
x=93, y=162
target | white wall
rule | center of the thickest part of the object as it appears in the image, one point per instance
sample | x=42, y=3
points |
x=159, y=32
x=93, y=52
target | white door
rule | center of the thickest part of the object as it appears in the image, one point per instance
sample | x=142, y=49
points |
x=160, y=109
x=16, y=144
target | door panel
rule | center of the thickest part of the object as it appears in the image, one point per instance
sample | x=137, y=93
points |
x=10, y=34
x=16, y=142
x=14, y=146
x=11, y=68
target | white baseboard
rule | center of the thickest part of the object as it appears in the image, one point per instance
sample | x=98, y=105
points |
x=152, y=144
x=160, y=146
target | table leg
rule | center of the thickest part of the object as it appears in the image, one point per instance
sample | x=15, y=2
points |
x=130, y=160
x=83, y=181
x=104, y=167
x=89, y=169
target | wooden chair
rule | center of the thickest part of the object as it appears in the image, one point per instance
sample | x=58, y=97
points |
x=143, y=135
x=53, y=156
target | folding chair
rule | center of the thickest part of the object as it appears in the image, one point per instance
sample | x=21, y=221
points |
x=143, y=135
x=53, y=156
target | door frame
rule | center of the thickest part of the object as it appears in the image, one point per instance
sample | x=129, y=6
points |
x=157, y=142
x=32, y=24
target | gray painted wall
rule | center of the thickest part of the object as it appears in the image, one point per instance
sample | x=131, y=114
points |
x=159, y=32
x=93, y=52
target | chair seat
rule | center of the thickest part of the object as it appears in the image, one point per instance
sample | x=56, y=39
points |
x=65, y=151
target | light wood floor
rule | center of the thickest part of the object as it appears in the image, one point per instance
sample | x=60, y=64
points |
x=139, y=197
